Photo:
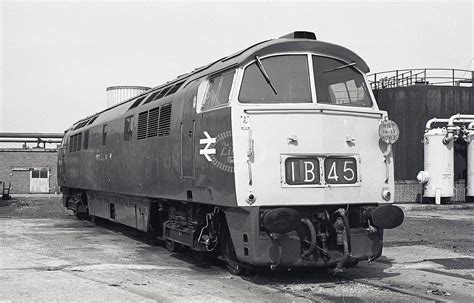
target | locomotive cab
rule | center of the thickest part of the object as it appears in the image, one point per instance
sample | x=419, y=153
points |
x=311, y=169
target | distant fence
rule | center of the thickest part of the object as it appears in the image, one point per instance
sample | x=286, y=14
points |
x=422, y=77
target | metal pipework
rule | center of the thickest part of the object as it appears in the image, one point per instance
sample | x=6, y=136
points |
x=468, y=132
x=451, y=128
x=32, y=135
x=434, y=120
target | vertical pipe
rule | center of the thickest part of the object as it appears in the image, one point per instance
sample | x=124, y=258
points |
x=453, y=77
x=396, y=78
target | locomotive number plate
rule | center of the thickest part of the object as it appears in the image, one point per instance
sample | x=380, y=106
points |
x=300, y=171
x=340, y=170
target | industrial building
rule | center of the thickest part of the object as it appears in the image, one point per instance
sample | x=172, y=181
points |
x=412, y=97
x=28, y=162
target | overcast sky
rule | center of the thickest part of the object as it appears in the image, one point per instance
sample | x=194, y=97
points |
x=57, y=58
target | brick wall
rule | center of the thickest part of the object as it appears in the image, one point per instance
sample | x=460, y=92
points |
x=25, y=159
x=409, y=191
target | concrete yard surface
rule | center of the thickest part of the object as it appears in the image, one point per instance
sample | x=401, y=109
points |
x=46, y=254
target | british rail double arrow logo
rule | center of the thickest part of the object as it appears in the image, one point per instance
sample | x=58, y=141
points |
x=206, y=151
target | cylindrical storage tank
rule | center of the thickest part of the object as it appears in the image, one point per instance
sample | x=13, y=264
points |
x=439, y=164
x=470, y=165
x=117, y=94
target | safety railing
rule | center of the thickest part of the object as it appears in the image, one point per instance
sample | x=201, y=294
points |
x=421, y=76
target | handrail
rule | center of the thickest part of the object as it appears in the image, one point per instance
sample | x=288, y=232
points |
x=421, y=77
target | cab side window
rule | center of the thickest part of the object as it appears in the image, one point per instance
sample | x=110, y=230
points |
x=218, y=91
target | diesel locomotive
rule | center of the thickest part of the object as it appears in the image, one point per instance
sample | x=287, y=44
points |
x=274, y=156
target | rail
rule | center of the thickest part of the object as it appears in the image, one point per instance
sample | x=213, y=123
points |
x=421, y=77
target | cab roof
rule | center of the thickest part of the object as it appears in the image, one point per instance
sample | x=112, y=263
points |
x=293, y=42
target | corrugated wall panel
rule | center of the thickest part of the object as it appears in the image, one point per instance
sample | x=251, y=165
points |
x=410, y=107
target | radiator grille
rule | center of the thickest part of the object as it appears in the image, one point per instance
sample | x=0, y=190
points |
x=165, y=120
x=142, y=124
x=153, y=122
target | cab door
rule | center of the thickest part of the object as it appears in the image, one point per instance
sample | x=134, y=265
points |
x=188, y=133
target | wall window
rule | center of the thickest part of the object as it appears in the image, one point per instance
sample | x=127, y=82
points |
x=338, y=83
x=104, y=134
x=289, y=75
x=37, y=174
x=43, y=174
x=218, y=91
x=128, y=128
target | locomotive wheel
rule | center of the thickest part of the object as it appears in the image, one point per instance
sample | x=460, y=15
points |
x=171, y=246
x=228, y=252
x=234, y=268
x=351, y=264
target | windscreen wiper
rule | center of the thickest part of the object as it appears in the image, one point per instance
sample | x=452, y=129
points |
x=340, y=67
x=264, y=73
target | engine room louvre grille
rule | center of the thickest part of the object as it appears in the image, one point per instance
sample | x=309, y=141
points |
x=165, y=120
x=142, y=123
x=153, y=122
x=73, y=143
x=86, y=139
x=70, y=144
x=79, y=142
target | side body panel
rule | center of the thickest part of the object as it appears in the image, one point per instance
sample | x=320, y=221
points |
x=167, y=167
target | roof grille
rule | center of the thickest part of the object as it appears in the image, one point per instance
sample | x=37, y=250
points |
x=174, y=88
x=92, y=120
x=137, y=102
x=151, y=97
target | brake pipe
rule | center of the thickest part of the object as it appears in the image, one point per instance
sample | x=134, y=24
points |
x=346, y=240
x=312, y=231
x=342, y=213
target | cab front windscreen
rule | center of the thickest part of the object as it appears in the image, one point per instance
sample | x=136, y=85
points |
x=286, y=79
